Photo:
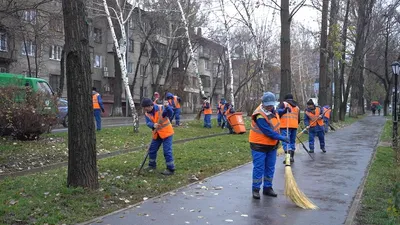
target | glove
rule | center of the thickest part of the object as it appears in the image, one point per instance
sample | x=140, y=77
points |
x=103, y=110
x=320, y=116
x=307, y=127
x=286, y=139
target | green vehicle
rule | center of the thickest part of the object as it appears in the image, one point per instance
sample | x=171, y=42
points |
x=32, y=91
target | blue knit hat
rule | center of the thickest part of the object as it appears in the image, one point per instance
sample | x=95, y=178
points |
x=147, y=102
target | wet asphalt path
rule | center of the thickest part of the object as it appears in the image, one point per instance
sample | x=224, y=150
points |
x=331, y=182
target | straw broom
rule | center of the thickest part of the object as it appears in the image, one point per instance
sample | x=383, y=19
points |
x=292, y=191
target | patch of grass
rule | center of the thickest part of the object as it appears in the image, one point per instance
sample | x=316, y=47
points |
x=53, y=148
x=44, y=198
x=380, y=182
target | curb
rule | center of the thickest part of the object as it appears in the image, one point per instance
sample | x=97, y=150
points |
x=355, y=205
x=95, y=220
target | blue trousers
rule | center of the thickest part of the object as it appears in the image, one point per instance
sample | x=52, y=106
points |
x=326, y=125
x=97, y=117
x=263, y=168
x=167, y=148
x=292, y=136
x=219, y=119
x=207, y=121
x=177, y=116
x=321, y=137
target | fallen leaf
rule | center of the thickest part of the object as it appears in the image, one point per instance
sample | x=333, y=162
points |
x=145, y=198
x=228, y=220
x=244, y=215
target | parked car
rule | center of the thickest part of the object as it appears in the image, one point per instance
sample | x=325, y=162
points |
x=62, y=115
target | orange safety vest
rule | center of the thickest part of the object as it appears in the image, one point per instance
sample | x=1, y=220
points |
x=96, y=104
x=290, y=119
x=207, y=111
x=256, y=135
x=327, y=113
x=175, y=99
x=165, y=129
x=228, y=111
x=221, y=108
x=315, y=117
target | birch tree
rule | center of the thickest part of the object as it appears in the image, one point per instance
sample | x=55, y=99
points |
x=194, y=61
x=120, y=47
x=228, y=45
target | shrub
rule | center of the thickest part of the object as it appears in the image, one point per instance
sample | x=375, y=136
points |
x=25, y=114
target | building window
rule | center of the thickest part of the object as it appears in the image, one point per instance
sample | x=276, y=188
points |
x=194, y=81
x=97, y=85
x=3, y=42
x=145, y=91
x=29, y=16
x=28, y=48
x=55, y=52
x=98, y=61
x=129, y=67
x=143, y=47
x=3, y=70
x=54, y=81
x=142, y=70
x=97, y=35
x=131, y=45
x=206, y=64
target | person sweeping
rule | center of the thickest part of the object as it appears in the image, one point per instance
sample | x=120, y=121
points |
x=264, y=138
x=157, y=119
x=289, y=114
x=313, y=119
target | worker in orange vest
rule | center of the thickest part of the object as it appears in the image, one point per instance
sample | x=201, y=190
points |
x=207, y=110
x=157, y=118
x=289, y=114
x=313, y=119
x=264, y=139
x=327, y=111
x=220, y=111
x=228, y=110
x=98, y=107
x=175, y=102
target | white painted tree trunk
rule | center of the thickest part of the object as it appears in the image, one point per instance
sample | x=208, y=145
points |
x=194, y=59
x=228, y=45
x=120, y=47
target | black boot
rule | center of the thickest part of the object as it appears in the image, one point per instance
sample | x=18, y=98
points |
x=323, y=150
x=256, y=194
x=269, y=192
x=292, y=156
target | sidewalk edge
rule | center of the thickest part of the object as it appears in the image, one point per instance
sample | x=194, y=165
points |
x=161, y=195
x=355, y=205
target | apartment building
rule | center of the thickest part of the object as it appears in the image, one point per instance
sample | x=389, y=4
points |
x=35, y=49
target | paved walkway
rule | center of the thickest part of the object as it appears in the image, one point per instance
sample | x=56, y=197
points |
x=331, y=181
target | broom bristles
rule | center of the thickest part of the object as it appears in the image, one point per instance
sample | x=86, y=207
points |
x=293, y=192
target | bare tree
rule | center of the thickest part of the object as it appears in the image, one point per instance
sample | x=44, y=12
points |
x=82, y=164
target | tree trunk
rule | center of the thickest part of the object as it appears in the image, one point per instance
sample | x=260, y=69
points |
x=117, y=106
x=356, y=74
x=286, y=77
x=27, y=57
x=323, y=84
x=82, y=164
x=332, y=65
x=343, y=93
x=62, y=73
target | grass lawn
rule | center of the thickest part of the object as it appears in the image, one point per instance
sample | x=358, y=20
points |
x=44, y=198
x=383, y=175
x=53, y=148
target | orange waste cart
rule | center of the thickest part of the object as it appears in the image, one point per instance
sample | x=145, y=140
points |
x=237, y=123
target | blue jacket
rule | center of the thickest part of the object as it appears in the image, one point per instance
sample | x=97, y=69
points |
x=167, y=112
x=267, y=129
x=170, y=95
x=307, y=119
